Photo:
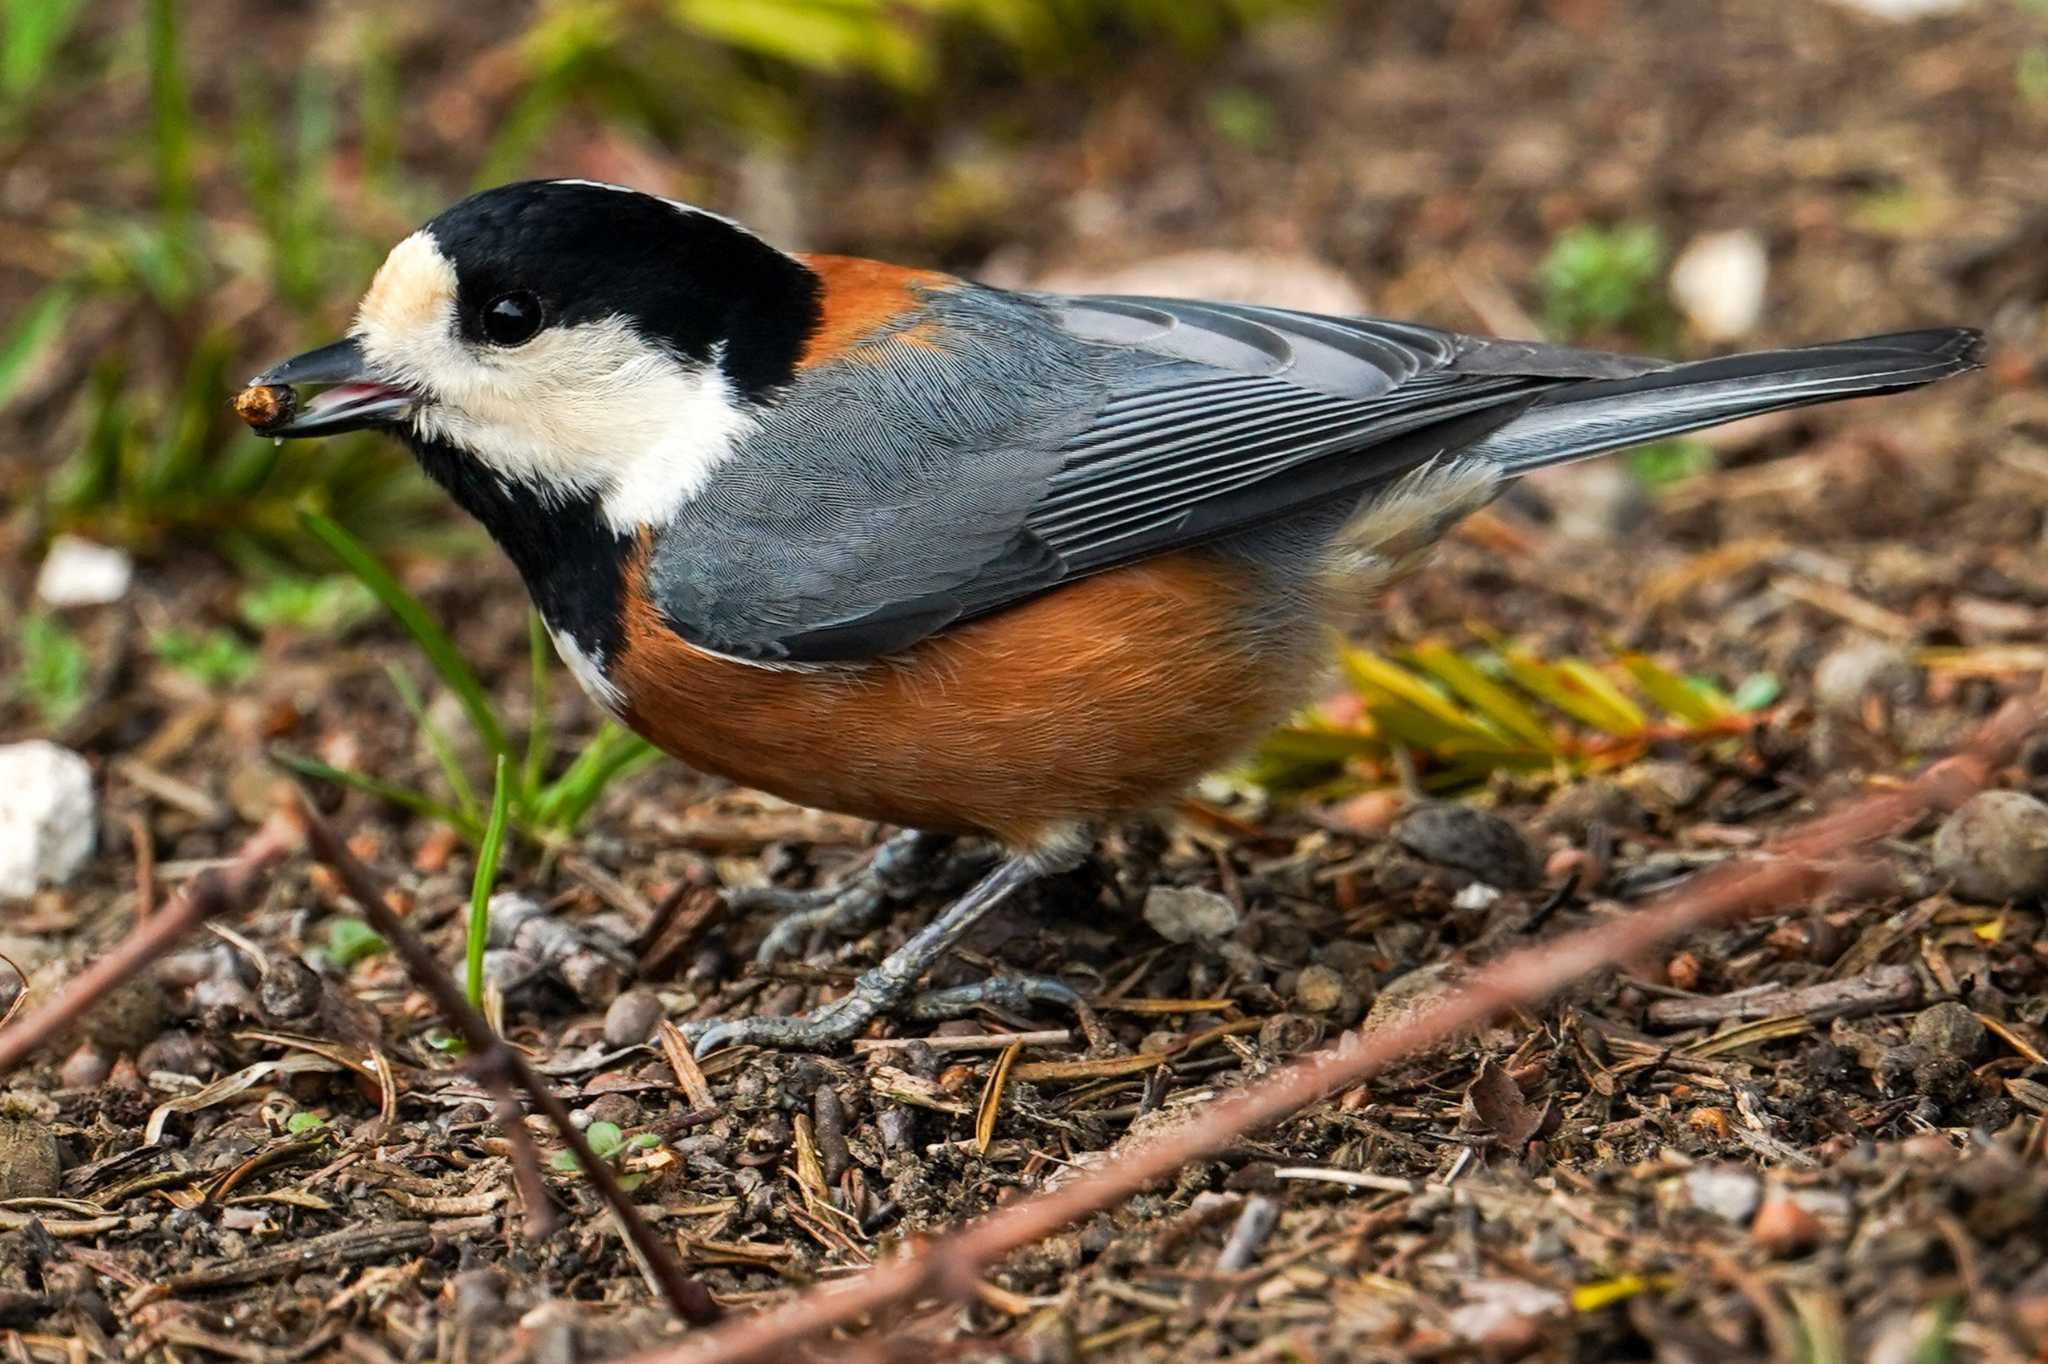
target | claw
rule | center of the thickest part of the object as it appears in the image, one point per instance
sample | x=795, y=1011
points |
x=887, y=987
x=1014, y=993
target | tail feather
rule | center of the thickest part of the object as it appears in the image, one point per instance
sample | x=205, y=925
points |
x=1583, y=419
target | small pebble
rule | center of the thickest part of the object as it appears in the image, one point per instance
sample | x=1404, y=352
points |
x=1994, y=849
x=124, y=1019
x=1718, y=282
x=632, y=1018
x=1782, y=1228
x=1728, y=1192
x=1949, y=1029
x=178, y=1052
x=1598, y=800
x=29, y=1163
x=1852, y=672
x=1319, y=990
x=1477, y=842
x=49, y=816
x=1664, y=786
x=1188, y=913
x=617, y=1109
x=80, y=573
x=1409, y=996
x=87, y=1067
x=289, y=990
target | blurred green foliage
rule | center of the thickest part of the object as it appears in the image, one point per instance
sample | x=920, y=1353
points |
x=1607, y=281
x=53, y=669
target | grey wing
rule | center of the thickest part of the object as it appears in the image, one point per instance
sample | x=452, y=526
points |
x=1053, y=437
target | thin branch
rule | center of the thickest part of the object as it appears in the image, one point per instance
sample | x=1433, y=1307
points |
x=501, y=1068
x=212, y=894
x=1796, y=867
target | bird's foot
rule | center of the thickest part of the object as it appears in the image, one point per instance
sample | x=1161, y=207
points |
x=907, y=865
x=890, y=989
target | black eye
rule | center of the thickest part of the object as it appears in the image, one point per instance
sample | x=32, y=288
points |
x=512, y=319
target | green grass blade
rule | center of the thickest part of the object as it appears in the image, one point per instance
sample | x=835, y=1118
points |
x=406, y=609
x=31, y=336
x=486, y=875
x=404, y=797
x=611, y=754
x=437, y=739
x=540, y=655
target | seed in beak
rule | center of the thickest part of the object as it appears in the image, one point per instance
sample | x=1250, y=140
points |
x=266, y=406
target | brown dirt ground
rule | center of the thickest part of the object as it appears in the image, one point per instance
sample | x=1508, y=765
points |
x=1431, y=152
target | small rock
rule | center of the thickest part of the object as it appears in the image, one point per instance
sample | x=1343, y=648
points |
x=1286, y=1034
x=1319, y=990
x=80, y=573
x=1850, y=672
x=1477, y=842
x=48, y=816
x=87, y=1067
x=1728, y=1192
x=632, y=1017
x=1411, y=995
x=178, y=1052
x=617, y=1109
x=1718, y=283
x=1598, y=800
x=1502, y=1312
x=1994, y=849
x=29, y=1164
x=1476, y=896
x=289, y=990
x=1949, y=1029
x=124, y=1019
x=1188, y=913
x=1664, y=786
x=1783, y=1228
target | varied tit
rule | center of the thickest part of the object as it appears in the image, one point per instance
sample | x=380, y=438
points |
x=964, y=560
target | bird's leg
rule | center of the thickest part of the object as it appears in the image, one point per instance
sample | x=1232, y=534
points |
x=903, y=866
x=888, y=987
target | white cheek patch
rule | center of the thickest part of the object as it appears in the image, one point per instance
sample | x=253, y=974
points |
x=590, y=409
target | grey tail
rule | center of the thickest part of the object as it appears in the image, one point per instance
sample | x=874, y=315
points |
x=1576, y=420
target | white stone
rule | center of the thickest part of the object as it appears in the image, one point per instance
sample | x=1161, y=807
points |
x=1728, y=1192
x=1478, y=895
x=1718, y=283
x=1185, y=913
x=1494, y=1304
x=80, y=573
x=48, y=816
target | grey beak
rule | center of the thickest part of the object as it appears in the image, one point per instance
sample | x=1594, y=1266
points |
x=357, y=399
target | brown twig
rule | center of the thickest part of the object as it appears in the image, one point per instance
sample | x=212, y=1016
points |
x=951, y=1267
x=502, y=1068
x=1888, y=987
x=221, y=891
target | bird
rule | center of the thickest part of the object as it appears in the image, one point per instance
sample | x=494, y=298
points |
x=978, y=563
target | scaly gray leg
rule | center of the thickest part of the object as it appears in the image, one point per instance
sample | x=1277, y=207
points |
x=903, y=866
x=887, y=988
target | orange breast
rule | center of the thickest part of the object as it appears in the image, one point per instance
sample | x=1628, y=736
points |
x=1105, y=697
